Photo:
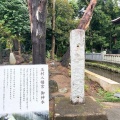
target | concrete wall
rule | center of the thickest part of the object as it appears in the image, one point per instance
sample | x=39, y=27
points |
x=105, y=83
x=93, y=56
x=113, y=58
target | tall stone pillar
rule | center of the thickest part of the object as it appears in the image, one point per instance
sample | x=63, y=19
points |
x=77, y=53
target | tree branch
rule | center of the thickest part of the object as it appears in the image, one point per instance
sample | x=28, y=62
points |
x=85, y=20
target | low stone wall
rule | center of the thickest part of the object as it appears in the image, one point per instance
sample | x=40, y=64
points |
x=105, y=83
x=114, y=58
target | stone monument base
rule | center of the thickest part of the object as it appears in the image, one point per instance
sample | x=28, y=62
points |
x=90, y=110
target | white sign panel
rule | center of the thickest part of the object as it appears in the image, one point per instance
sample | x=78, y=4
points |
x=24, y=88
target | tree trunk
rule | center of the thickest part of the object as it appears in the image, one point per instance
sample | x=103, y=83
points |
x=1, y=60
x=66, y=58
x=84, y=23
x=19, y=47
x=53, y=29
x=15, y=45
x=37, y=13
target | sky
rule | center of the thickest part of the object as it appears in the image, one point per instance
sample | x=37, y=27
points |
x=118, y=2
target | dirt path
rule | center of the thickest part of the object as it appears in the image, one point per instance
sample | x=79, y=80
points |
x=61, y=75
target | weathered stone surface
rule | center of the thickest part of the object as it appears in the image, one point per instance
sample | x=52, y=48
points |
x=113, y=113
x=63, y=90
x=105, y=83
x=58, y=95
x=19, y=59
x=53, y=86
x=52, y=64
x=90, y=110
x=16, y=52
x=77, y=53
x=117, y=95
x=12, y=59
x=27, y=57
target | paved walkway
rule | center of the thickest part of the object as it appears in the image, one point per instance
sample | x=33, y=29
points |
x=113, y=114
x=112, y=110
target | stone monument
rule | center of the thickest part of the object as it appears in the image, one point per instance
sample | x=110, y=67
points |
x=77, y=53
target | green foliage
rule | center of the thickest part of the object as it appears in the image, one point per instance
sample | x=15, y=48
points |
x=14, y=14
x=118, y=91
x=86, y=87
x=117, y=45
x=105, y=66
x=75, y=7
x=64, y=24
x=101, y=31
x=107, y=96
x=7, y=37
x=48, y=54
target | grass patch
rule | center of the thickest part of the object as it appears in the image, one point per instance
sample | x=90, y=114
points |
x=106, y=96
x=86, y=87
x=105, y=66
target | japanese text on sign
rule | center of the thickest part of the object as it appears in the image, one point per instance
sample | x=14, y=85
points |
x=24, y=88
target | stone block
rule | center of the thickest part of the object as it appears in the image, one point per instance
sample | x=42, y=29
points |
x=90, y=110
x=53, y=86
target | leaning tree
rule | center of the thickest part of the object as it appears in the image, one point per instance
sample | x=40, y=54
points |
x=38, y=13
x=84, y=23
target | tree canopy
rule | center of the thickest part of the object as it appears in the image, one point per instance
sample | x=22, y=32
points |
x=101, y=31
x=64, y=23
x=101, y=34
x=14, y=15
